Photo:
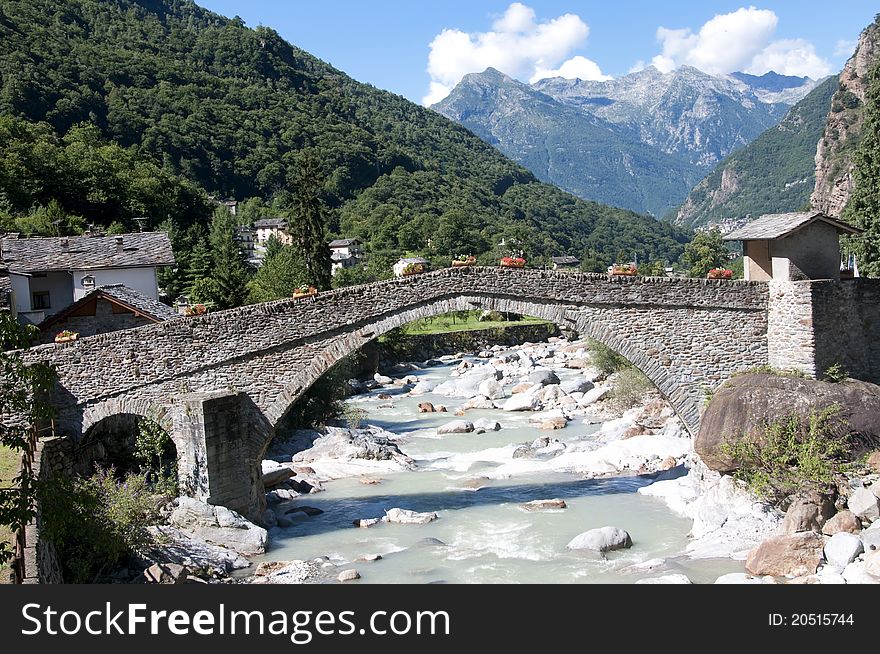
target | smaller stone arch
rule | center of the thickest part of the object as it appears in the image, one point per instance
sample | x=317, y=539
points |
x=92, y=415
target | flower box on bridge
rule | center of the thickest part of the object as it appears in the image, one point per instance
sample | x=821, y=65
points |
x=624, y=271
x=463, y=262
x=66, y=337
x=304, y=291
x=513, y=262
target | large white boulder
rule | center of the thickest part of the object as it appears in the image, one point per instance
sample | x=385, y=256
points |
x=604, y=539
x=577, y=385
x=522, y=402
x=843, y=549
x=422, y=387
x=594, y=395
x=219, y=526
x=864, y=504
x=456, y=427
x=405, y=517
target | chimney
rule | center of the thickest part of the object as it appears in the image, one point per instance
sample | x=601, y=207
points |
x=119, y=241
x=65, y=244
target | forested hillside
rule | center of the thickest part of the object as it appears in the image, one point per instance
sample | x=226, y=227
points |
x=203, y=100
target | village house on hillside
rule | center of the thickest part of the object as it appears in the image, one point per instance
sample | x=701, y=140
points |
x=565, y=263
x=792, y=247
x=45, y=276
x=344, y=253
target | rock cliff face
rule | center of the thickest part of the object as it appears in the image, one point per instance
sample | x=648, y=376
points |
x=843, y=128
x=746, y=403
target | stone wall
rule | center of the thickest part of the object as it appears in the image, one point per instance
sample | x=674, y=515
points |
x=791, y=344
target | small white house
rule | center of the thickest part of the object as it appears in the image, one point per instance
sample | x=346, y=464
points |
x=47, y=275
x=401, y=265
x=266, y=228
x=344, y=253
x=792, y=246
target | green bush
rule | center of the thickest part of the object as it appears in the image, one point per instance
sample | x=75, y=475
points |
x=157, y=456
x=792, y=455
x=836, y=374
x=630, y=388
x=606, y=359
x=96, y=522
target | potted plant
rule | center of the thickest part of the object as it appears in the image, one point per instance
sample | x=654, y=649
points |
x=413, y=269
x=513, y=262
x=624, y=270
x=720, y=273
x=304, y=291
x=66, y=336
x=464, y=261
x=196, y=310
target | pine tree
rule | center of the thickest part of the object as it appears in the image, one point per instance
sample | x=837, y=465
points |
x=201, y=262
x=308, y=220
x=273, y=248
x=863, y=209
x=230, y=274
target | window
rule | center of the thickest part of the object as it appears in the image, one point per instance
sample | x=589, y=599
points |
x=40, y=300
x=88, y=281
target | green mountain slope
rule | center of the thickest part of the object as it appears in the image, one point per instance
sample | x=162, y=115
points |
x=231, y=109
x=773, y=174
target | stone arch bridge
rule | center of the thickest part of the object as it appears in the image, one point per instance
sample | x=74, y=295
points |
x=220, y=383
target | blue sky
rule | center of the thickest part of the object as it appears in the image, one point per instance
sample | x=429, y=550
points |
x=393, y=44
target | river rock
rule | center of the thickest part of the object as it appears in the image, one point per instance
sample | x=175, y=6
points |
x=369, y=558
x=524, y=387
x=405, y=517
x=456, y=427
x=872, y=564
x=808, y=512
x=842, y=522
x=164, y=573
x=479, y=402
x=372, y=444
x=427, y=407
x=544, y=505
x=310, y=511
x=269, y=518
x=797, y=555
x=871, y=537
x=348, y=575
x=549, y=421
x=491, y=389
x=487, y=425
x=176, y=546
x=856, y=573
x=543, y=378
x=744, y=404
x=604, y=539
x=864, y=504
x=594, y=395
x=274, y=473
x=382, y=380
x=220, y=526
x=576, y=385
x=356, y=387
x=295, y=572
x=873, y=462
x=842, y=549
x=666, y=579
x=366, y=523
x=551, y=394
x=465, y=387
x=522, y=402
x=422, y=387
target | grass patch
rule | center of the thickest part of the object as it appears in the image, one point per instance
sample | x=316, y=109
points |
x=9, y=464
x=463, y=321
x=770, y=370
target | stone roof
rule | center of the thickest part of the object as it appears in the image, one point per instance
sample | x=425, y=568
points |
x=35, y=255
x=344, y=243
x=410, y=260
x=270, y=223
x=780, y=225
x=123, y=296
x=339, y=256
x=566, y=261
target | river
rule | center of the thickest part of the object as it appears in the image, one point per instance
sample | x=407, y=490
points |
x=484, y=536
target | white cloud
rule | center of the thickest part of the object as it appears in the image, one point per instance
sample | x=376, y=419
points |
x=845, y=48
x=575, y=68
x=739, y=41
x=637, y=67
x=518, y=45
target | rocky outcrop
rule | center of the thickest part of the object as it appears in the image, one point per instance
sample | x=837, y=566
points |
x=219, y=526
x=843, y=128
x=797, y=555
x=745, y=404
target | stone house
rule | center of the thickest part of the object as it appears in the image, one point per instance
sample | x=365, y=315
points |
x=47, y=275
x=792, y=246
x=565, y=263
x=106, y=309
x=344, y=253
x=265, y=228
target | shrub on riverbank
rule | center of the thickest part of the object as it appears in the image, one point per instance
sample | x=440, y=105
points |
x=791, y=455
x=605, y=359
x=96, y=522
x=630, y=387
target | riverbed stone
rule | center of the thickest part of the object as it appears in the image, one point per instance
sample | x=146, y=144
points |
x=871, y=538
x=592, y=396
x=382, y=380
x=796, y=554
x=864, y=504
x=427, y=407
x=422, y=387
x=491, y=389
x=544, y=505
x=487, y=424
x=808, y=512
x=522, y=402
x=543, y=378
x=164, y=573
x=456, y=427
x=348, y=575
x=406, y=517
x=275, y=473
x=843, y=521
x=842, y=549
x=604, y=539
x=576, y=385
x=220, y=526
